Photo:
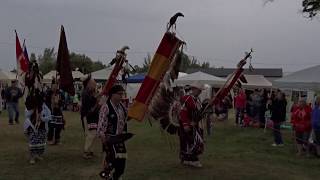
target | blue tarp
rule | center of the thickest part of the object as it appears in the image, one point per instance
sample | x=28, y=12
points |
x=136, y=78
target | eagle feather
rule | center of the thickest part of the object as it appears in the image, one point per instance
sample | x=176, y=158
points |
x=165, y=104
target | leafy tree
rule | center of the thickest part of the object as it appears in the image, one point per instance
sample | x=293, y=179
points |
x=97, y=65
x=47, y=61
x=145, y=66
x=84, y=63
x=186, y=62
x=205, y=65
x=310, y=8
x=146, y=63
x=192, y=62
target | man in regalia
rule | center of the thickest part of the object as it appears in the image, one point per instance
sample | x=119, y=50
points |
x=191, y=135
x=112, y=124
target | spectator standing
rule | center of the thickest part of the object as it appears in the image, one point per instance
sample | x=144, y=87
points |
x=240, y=102
x=278, y=116
x=13, y=94
x=316, y=123
x=301, y=122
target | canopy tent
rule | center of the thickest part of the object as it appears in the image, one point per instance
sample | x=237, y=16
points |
x=140, y=77
x=136, y=78
x=201, y=77
x=7, y=76
x=181, y=74
x=102, y=75
x=51, y=74
x=306, y=79
x=132, y=90
x=256, y=81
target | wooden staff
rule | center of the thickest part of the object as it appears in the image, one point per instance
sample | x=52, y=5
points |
x=224, y=90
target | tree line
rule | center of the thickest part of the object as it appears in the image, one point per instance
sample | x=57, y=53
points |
x=47, y=62
x=186, y=63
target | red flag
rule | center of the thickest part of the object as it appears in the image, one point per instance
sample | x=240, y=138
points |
x=22, y=63
x=63, y=65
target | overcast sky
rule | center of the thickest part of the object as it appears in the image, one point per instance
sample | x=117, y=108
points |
x=218, y=31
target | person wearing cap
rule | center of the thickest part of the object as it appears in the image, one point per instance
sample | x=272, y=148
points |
x=13, y=94
x=89, y=112
x=113, y=121
x=191, y=136
x=301, y=122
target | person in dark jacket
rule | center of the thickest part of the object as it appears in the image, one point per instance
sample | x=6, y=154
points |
x=278, y=115
x=13, y=94
x=90, y=112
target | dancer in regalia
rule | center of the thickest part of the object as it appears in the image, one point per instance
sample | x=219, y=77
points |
x=37, y=115
x=57, y=121
x=113, y=123
x=191, y=135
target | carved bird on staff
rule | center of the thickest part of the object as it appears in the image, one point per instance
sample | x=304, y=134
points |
x=119, y=53
x=173, y=19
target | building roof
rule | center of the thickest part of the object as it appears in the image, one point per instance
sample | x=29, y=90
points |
x=224, y=72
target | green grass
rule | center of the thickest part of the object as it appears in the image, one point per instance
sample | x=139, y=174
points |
x=231, y=153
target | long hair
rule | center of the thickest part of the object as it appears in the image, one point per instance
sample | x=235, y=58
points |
x=86, y=81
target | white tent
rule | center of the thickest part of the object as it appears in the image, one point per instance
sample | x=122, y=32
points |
x=181, y=74
x=6, y=75
x=306, y=79
x=75, y=75
x=102, y=74
x=201, y=77
x=256, y=81
x=132, y=90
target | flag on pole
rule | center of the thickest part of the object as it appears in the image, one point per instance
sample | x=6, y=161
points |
x=63, y=65
x=22, y=63
x=159, y=66
x=25, y=52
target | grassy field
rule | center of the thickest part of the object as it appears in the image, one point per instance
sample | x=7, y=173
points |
x=231, y=153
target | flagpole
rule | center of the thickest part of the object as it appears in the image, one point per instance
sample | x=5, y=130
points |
x=17, y=61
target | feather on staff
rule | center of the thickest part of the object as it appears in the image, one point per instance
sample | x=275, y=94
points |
x=163, y=68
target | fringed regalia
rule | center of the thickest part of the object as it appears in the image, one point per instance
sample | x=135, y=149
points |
x=112, y=124
x=36, y=130
x=37, y=113
x=57, y=122
x=191, y=142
